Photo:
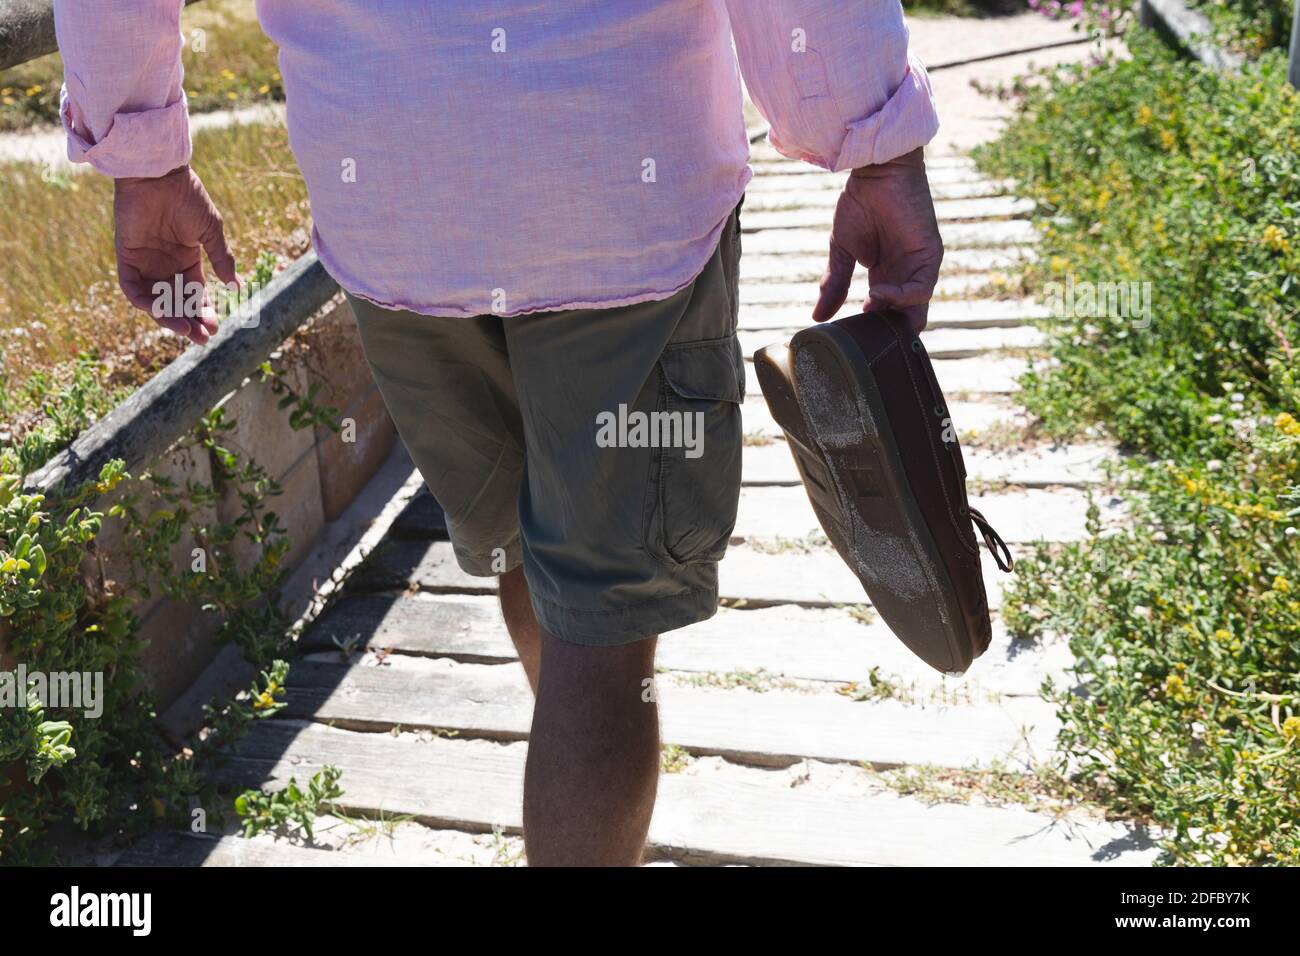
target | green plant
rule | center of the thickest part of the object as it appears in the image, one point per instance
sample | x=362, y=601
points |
x=1185, y=624
x=262, y=811
x=1249, y=26
x=116, y=774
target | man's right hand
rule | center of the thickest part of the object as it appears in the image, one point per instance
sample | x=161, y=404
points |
x=163, y=226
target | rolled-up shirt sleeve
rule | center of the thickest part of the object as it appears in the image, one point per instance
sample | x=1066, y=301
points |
x=122, y=104
x=834, y=78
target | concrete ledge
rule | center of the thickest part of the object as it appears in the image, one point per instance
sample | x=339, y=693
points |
x=1189, y=29
x=159, y=413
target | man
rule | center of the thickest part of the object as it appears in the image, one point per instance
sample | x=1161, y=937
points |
x=534, y=210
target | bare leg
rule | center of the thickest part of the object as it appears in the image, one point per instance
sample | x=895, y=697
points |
x=521, y=622
x=593, y=755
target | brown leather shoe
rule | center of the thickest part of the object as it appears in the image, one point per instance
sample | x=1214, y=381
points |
x=869, y=429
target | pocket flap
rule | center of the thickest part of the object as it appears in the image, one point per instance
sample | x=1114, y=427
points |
x=712, y=369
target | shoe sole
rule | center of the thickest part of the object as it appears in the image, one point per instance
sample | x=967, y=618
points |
x=822, y=393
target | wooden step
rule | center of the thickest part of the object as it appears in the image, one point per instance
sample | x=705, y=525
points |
x=961, y=287
x=758, y=267
x=1070, y=466
x=945, y=210
x=970, y=313
x=955, y=235
x=949, y=343
x=983, y=375
x=971, y=418
x=1020, y=516
x=473, y=786
x=775, y=728
x=769, y=187
x=817, y=578
x=821, y=644
x=174, y=848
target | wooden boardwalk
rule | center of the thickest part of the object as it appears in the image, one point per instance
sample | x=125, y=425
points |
x=774, y=755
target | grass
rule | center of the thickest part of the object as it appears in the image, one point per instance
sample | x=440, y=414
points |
x=228, y=62
x=58, y=286
x=1042, y=788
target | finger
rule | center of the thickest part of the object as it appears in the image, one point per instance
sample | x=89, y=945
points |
x=135, y=287
x=139, y=292
x=199, y=313
x=835, y=282
x=214, y=244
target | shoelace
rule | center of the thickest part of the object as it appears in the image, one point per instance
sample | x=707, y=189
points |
x=993, y=541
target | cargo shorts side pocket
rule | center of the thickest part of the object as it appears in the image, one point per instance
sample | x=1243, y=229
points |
x=696, y=437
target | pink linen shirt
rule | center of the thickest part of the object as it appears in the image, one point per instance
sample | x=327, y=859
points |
x=465, y=157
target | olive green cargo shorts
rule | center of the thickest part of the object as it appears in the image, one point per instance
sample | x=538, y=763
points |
x=600, y=447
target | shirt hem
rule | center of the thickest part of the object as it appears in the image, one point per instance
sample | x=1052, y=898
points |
x=559, y=305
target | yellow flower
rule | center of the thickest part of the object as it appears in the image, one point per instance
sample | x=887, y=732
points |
x=231, y=96
x=1281, y=584
x=1167, y=139
x=8, y=101
x=1287, y=425
x=1222, y=634
x=1176, y=688
x=1275, y=238
x=264, y=700
x=1144, y=115
x=264, y=88
x=1291, y=728
x=6, y=91
x=33, y=90
x=228, y=74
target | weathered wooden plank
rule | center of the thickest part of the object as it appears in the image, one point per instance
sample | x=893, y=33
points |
x=819, y=215
x=477, y=787
x=970, y=313
x=764, y=267
x=816, y=578
x=1021, y=516
x=823, y=644
x=173, y=848
x=1071, y=466
x=464, y=627
x=158, y=413
x=983, y=375
x=973, y=420
x=955, y=235
x=422, y=518
x=776, y=728
x=430, y=565
x=763, y=151
x=959, y=287
x=949, y=343
x=769, y=186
